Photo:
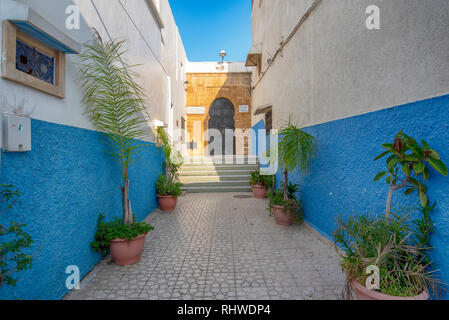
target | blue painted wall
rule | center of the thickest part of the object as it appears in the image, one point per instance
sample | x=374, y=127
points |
x=255, y=138
x=341, y=178
x=67, y=181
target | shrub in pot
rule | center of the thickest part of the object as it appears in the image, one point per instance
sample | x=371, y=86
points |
x=168, y=192
x=109, y=237
x=296, y=149
x=260, y=184
x=116, y=107
x=394, y=246
x=286, y=212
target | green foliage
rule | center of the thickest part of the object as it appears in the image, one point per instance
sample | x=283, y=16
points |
x=291, y=205
x=296, y=148
x=174, y=159
x=168, y=186
x=14, y=240
x=397, y=246
x=407, y=158
x=115, y=229
x=115, y=105
x=114, y=101
x=257, y=179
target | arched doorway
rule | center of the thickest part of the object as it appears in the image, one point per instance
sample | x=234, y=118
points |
x=221, y=117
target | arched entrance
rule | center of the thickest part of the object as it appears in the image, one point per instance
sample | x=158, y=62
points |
x=221, y=117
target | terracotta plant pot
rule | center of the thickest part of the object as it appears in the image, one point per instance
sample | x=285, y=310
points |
x=167, y=203
x=282, y=216
x=126, y=252
x=363, y=293
x=259, y=192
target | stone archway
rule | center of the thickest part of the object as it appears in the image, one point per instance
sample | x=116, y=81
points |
x=221, y=118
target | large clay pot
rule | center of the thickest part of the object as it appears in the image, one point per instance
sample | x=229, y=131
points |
x=126, y=252
x=259, y=192
x=363, y=293
x=167, y=203
x=282, y=216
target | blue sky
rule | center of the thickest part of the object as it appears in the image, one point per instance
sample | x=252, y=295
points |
x=209, y=26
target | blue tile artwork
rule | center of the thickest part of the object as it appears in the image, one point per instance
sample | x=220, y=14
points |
x=35, y=63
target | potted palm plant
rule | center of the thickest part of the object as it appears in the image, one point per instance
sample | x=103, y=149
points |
x=260, y=184
x=296, y=149
x=168, y=188
x=115, y=105
x=386, y=257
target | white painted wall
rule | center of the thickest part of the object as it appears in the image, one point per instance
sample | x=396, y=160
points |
x=334, y=67
x=147, y=44
x=218, y=67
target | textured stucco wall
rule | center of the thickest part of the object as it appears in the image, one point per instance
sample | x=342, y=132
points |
x=341, y=178
x=204, y=88
x=159, y=53
x=334, y=67
x=67, y=181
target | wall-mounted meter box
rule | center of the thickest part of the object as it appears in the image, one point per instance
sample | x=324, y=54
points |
x=16, y=134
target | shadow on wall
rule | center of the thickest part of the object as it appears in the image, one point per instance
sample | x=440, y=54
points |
x=67, y=181
x=341, y=179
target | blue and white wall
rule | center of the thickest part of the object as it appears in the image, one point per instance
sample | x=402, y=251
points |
x=67, y=179
x=354, y=89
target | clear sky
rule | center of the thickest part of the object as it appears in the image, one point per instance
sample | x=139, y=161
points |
x=209, y=26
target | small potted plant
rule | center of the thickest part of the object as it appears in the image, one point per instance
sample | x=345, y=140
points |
x=286, y=212
x=260, y=184
x=124, y=241
x=115, y=105
x=386, y=257
x=296, y=149
x=168, y=187
x=168, y=192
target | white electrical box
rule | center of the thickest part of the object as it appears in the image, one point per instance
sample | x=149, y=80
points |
x=16, y=134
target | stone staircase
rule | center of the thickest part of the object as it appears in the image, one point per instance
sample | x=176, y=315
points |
x=217, y=174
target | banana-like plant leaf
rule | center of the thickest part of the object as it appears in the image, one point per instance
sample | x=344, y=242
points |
x=406, y=169
x=439, y=166
x=416, y=150
x=426, y=173
x=380, y=175
x=434, y=155
x=423, y=198
x=425, y=145
x=381, y=155
x=419, y=167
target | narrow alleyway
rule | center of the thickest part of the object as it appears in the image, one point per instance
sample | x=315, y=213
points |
x=218, y=246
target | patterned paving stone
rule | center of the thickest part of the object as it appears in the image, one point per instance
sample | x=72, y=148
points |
x=215, y=246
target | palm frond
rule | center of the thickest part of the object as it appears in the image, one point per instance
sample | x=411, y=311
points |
x=114, y=101
x=296, y=148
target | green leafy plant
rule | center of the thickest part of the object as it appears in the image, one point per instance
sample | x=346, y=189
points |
x=173, y=158
x=291, y=205
x=408, y=158
x=397, y=246
x=256, y=179
x=115, y=105
x=168, y=186
x=14, y=240
x=296, y=149
x=115, y=229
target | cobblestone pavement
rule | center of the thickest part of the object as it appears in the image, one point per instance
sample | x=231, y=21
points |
x=216, y=246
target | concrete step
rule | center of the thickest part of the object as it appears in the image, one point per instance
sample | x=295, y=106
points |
x=198, y=167
x=199, y=179
x=221, y=160
x=190, y=173
x=237, y=183
x=217, y=189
